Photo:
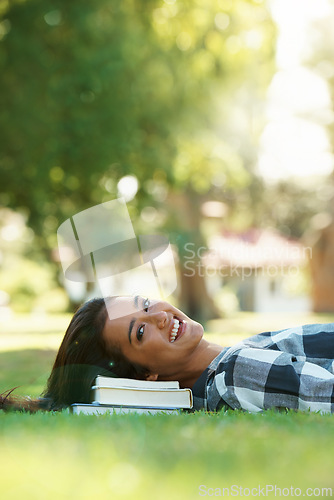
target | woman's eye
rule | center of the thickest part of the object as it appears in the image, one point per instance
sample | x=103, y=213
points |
x=140, y=332
x=146, y=305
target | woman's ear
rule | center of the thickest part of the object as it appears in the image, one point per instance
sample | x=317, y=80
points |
x=152, y=377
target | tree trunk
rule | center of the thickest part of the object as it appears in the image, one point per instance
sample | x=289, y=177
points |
x=193, y=296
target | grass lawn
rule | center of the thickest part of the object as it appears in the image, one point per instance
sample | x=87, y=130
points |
x=46, y=456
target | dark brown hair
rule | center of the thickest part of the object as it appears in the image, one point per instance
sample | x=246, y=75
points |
x=82, y=356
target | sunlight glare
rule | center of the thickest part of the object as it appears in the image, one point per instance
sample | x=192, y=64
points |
x=295, y=142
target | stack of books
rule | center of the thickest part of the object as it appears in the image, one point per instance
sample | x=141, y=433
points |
x=122, y=395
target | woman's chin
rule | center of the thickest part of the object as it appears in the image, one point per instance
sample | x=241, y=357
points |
x=198, y=329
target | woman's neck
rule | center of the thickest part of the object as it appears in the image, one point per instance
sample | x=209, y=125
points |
x=199, y=361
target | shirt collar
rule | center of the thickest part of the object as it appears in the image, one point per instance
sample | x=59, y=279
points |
x=199, y=387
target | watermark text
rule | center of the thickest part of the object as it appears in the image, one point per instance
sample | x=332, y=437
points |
x=266, y=490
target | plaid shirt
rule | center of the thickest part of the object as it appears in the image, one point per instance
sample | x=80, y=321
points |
x=292, y=368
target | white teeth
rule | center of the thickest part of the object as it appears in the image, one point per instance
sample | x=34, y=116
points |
x=174, y=330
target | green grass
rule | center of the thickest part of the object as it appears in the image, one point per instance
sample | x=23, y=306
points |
x=161, y=457
x=151, y=457
x=28, y=345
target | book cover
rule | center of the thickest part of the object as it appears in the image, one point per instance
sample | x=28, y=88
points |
x=140, y=397
x=93, y=409
x=105, y=382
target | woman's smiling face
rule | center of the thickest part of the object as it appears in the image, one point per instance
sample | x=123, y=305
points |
x=153, y=334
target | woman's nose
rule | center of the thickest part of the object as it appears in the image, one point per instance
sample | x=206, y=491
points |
x=160, y=318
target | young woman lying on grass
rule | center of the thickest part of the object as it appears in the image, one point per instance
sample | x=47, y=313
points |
x=152, y=340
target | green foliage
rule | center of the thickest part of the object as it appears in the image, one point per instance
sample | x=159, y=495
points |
x=170, y=92
x=290, y=207
x=27, y=281
x=31, y=285
x=91, y=92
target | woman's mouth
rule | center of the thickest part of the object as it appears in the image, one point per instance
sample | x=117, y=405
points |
x=178, y=328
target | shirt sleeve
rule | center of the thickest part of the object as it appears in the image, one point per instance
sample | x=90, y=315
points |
x=254, y=379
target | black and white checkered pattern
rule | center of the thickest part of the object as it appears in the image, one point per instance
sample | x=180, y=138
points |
x=292, y=368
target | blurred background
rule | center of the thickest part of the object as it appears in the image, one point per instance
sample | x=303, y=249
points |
x=212, y=118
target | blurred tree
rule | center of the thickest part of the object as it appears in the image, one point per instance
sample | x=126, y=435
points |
x=289, y=206
x=320, y=234
x=302, y=100
x=91, y=92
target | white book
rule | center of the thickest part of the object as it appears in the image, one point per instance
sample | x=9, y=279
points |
x=141, y=397
x=93, y=409
x=106, y=382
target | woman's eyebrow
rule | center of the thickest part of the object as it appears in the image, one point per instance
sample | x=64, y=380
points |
x=132, y=322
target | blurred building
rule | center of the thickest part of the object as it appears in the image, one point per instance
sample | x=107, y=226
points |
x=263, y=267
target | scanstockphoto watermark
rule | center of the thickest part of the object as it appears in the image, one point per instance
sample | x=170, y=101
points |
x=199, y=269
x=264, y=491
x=99, y=246
x=245, y=261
